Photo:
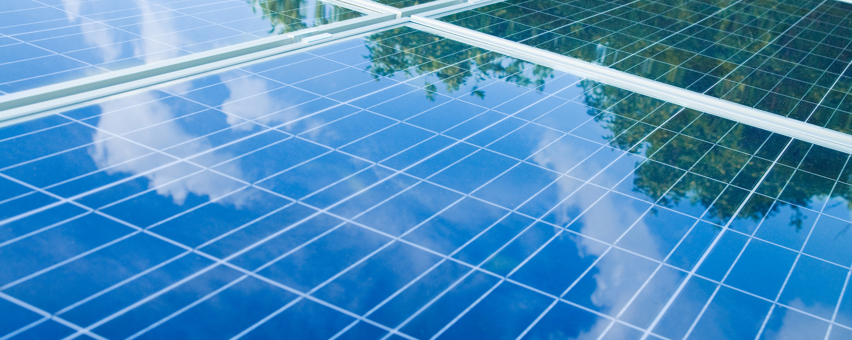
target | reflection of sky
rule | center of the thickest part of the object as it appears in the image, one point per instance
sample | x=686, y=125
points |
x=165, y=142
x=70, y=39
x=612, y=271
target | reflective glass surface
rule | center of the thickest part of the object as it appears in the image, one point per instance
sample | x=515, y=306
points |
x=50, y=41
x=786, y=57
x=403, y=185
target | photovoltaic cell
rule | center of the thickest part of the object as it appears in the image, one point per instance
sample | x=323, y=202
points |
x=51, y=41
x=786, y=57
x=405, y=185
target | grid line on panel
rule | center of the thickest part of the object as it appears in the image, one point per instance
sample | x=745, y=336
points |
x=166, y=165
x=637, y=254
x=658, y=267
x=527, y=122
x=833, y=321
x=799, y=253
x=792, y=130
x=581, y=20
x=216, y=263
x=46, y=316
x=71, y=121
x=706, y=253
x=177, y=283
x=674, y=34
x=443, y=257
x=627, y=305
x=671, y=72
x=35, y=131
x=124, y=26
x=521, y=264
x=739, y=255
x=750, y=294
x=783, y=34
x=55, y=53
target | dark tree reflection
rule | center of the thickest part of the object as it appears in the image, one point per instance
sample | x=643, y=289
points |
x=292, y=15
x=454, y=66
x=718, y=56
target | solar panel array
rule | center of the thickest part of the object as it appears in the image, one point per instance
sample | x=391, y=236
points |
x=51, y=41
x=404, y=185
x=786, y=57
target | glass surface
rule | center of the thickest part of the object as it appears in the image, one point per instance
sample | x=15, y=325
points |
x=47, y=42
x=786, y=57
x=409, y=186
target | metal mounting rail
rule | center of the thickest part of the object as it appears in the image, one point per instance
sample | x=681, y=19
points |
x=67, y=93
x=722, y=108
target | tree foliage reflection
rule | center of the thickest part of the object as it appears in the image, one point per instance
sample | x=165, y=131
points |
x=292, y=15
x=456, y=66
x=452, y=64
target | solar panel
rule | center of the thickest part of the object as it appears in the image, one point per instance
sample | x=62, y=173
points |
x=47, y=42
x=786, y=57
x=407, y=185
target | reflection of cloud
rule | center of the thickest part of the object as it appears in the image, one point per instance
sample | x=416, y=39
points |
x=145, y=110
x=104, y=39
x=155, y=24
x=72, y=8
x=613, y=270
x=251, y=98
x=252, y=108
x=152, y=24
x=795, y=325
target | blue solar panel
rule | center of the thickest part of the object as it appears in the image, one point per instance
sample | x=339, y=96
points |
x=790, y=58
x=403, y=185
x=46, y=42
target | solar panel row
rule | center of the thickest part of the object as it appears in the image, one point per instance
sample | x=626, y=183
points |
x=401, y=184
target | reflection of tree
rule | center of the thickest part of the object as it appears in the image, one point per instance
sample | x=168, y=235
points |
x=718, y=162
x=293, y=15
x=456, y=66
x=716, y=57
